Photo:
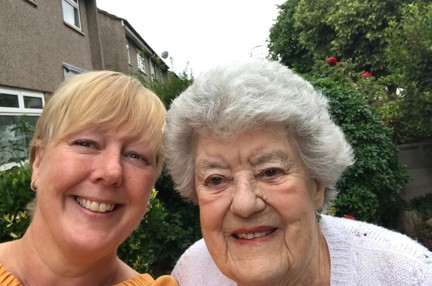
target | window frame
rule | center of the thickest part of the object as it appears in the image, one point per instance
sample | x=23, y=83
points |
x=153, y=70
x=141, y=63
x=21, y=109
x=14, y=112
x=75, y=6
x=128, y=52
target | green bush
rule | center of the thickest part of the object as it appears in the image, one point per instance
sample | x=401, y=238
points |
x=15, y=194
x=160, y=239
x=372, y=188
x=423, y=205
x=358, y=202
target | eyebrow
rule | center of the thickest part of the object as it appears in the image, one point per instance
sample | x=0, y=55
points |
x=206, y=165
x=273, y=156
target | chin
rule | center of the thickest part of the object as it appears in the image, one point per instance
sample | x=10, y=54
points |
x=259, y=275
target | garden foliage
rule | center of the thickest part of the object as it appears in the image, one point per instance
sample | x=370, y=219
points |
x=372, y=189
x=390, y=40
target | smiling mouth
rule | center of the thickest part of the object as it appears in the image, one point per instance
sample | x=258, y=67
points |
x=95, y=206
x=253, y=235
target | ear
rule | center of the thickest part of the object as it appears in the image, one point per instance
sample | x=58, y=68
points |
x=319, y=194
x=36, y=165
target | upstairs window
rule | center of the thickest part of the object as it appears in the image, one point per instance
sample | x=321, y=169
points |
x=141, y=62
x=153, y=69
x=128, y=52
x=71, y=13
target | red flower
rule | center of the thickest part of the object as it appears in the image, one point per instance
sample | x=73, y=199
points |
x=331, y=61
x=349, y=217
x=365, y=74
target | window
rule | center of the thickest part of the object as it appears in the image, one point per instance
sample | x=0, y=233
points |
x=153, y=69
x=15, y=103
x=128, y=52
x=71, y=13
x=141, y=62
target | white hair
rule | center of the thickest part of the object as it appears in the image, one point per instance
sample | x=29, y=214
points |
x=230, y=99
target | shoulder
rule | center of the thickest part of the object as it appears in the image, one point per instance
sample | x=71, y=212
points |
x=6, y=278
x=147, y=280
x=368, y=249
x=129, y=277
x=196, y=267
x=367, y=234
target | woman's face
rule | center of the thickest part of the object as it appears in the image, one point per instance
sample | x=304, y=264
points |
x=257, y=207
x=93, y=190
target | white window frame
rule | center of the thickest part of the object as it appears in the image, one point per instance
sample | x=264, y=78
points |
x=21, y=109
x=75, y=6
x=141, y=62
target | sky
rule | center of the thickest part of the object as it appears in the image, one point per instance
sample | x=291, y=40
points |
x=198, y=34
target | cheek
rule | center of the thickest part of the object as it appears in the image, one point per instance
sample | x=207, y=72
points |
x=293, y=200
x=57, y=171
x=140, y=184
x=212, y=211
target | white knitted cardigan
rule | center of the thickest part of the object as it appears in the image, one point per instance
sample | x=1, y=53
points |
x=361, y=254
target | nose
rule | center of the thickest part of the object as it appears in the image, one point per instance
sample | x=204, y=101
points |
x=108, y=168
x=247, y=198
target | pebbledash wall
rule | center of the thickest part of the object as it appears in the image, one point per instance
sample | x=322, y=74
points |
x=418, y=160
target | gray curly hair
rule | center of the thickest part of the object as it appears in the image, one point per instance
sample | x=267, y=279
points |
x=230, y=99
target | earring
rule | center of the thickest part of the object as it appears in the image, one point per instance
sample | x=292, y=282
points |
x=318, y=215
x=32, y=186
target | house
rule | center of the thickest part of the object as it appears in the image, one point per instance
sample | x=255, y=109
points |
x=42, y=42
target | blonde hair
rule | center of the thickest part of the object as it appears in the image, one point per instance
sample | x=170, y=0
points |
x=105, y=100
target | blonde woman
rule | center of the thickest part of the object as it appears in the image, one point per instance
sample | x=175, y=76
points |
x=95, y=155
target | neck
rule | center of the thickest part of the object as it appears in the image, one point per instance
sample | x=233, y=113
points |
x=319, y=264
x=40, y=261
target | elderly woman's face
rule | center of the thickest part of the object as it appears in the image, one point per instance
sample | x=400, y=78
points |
x=257, y=207
x=93, y=189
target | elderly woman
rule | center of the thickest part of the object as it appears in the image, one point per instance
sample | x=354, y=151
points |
x=254, y=145
x=95, y=155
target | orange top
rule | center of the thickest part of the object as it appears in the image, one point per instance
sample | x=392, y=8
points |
x=7, y=279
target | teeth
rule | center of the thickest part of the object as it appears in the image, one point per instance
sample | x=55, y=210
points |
x=252, y=235
x=95, y=206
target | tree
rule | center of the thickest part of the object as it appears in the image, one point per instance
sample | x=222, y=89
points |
x=168, y=90
x=347, y=29
x=284, y=44
x=409, y=54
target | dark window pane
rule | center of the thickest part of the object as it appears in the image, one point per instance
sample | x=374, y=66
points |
x=33, y=102
x=8, y=100
x=13, y=141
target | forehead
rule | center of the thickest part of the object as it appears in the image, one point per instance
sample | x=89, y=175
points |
x=253, y=147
